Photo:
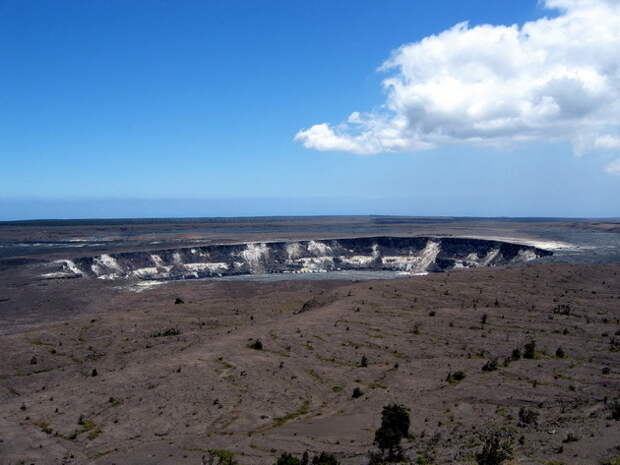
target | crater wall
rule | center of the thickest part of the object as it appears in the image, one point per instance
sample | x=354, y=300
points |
x=406, y=254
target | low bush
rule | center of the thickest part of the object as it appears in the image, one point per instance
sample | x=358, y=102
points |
x=496, y=449
x=490, y=365
x=166, y=332
x=322, y=459
x=614, y=406
x=529, y=350
x=456, y=377
x=527, y=416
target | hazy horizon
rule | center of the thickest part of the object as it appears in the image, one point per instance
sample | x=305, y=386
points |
x=87, y=209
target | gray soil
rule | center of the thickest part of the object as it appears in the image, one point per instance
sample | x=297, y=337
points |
x=166, y=397
x=93, y=372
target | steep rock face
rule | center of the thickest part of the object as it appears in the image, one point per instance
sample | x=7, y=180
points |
x=406, y=254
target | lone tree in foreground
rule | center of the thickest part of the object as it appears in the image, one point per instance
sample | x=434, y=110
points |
x=394, y=427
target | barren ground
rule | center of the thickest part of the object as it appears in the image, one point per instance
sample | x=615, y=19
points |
x=166, y=399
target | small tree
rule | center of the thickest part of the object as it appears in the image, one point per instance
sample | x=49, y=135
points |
x=560, y=353
x=516, y=354
x=394, y=427
x=364, y=362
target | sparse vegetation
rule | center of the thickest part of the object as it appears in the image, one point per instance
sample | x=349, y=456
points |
x=219, y=457
x=302, y=410
x=208, y=381
x=614, y=461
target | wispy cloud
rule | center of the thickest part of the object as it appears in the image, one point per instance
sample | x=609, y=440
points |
x=553, y=79
x=613, y=167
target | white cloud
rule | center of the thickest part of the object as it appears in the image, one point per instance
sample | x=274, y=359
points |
x=554, y=79
x=607, y=142
x=613, y=167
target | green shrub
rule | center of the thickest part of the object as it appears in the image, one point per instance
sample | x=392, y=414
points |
x=490, y=365
x=527, y=416
x=287, y=459
x=570, y=437
x=456, y=377
x=496, y=449
x=325, y=459
x=221, y=457
x=614, y=406
x=529, y=350
x=322, y=459
x=166, y=332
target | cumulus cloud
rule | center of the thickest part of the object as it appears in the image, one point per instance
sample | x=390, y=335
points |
x=553, y=79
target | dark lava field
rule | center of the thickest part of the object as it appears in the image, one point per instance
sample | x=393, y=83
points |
x=132, y=371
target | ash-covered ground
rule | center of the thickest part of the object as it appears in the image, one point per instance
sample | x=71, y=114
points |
x=94, y=372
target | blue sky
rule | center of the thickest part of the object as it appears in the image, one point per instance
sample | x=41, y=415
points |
x=190, y=108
